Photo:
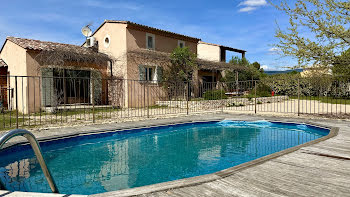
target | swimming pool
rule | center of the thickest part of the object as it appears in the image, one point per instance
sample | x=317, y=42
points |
x=130, y=158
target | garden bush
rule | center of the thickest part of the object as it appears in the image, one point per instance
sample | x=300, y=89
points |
x=262, y=90
x=287, y=84
x=214, y=95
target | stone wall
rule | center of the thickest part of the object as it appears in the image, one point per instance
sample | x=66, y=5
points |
x=230, y=102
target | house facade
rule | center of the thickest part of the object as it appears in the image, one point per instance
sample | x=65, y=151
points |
x=131, y=66
x=46, y=84
x=119, y=39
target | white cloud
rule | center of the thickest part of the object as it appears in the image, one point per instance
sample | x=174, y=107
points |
x=247, y=9
x=265, y=67
x=250, y=5
x=274, y=51
x=253, y=3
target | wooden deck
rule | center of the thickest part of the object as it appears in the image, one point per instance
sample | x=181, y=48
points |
x=322, y=169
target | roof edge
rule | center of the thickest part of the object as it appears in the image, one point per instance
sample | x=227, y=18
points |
x=3, y=45
x=222, y=46
x=144, y=27
x=7, y=39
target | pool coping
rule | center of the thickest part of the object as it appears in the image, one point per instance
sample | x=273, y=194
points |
x=192, y=181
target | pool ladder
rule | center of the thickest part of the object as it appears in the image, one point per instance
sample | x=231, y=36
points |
x=37, y=150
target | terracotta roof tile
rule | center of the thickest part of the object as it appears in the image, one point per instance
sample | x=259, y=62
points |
x=48, y=46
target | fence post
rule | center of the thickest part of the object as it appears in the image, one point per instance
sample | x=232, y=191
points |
x=93, y=99
x=16, y=102
x=222, y=102
x=255, y=95
x=64, y=82
x=144, y=98
x=187, y=97
x=147, y=101
x=298, y=97
x=237, y=81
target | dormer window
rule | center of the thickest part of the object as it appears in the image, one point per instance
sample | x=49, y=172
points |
x=181, y=43
x=150, y=41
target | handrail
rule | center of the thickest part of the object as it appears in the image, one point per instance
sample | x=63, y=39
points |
x=37, y=150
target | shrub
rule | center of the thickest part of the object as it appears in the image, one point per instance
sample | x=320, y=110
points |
x=262, y=90
x=231, y=105
x=214, y=95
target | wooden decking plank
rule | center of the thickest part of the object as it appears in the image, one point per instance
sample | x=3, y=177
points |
x=324, y=150
x=342, y=149
x=176, y=193
x=326, y=182
x=267, y=188
x=187, y=191
x=287, y=187
x=157, y=194
x=213, y=191
x=281, y=174
x=251, y=188
x=314, y=161
x=291, y=187
x=202, y=190
x=227, y=189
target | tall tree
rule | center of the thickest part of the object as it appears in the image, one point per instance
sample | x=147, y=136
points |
x=341, y=66
x=256, y=65
x=318, y=30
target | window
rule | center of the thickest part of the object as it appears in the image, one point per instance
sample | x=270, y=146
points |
x=75, y=88
x=150, y=41
x=150, y=73
x=181, y=44
x=107, y=41
x=110, y=65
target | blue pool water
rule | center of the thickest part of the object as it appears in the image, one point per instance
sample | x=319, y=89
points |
x=119, y=160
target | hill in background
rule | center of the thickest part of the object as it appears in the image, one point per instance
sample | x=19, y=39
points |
x=274, y=72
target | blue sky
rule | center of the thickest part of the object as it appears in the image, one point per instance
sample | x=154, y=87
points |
x=243, y=24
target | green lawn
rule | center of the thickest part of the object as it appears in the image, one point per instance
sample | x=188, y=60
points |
x=8, y=120
x=324, y=99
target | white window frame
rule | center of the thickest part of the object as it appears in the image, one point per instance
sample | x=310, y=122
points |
x=153, y=41
x=179, y=42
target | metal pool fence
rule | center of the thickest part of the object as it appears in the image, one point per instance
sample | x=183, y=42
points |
x=28, y=101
